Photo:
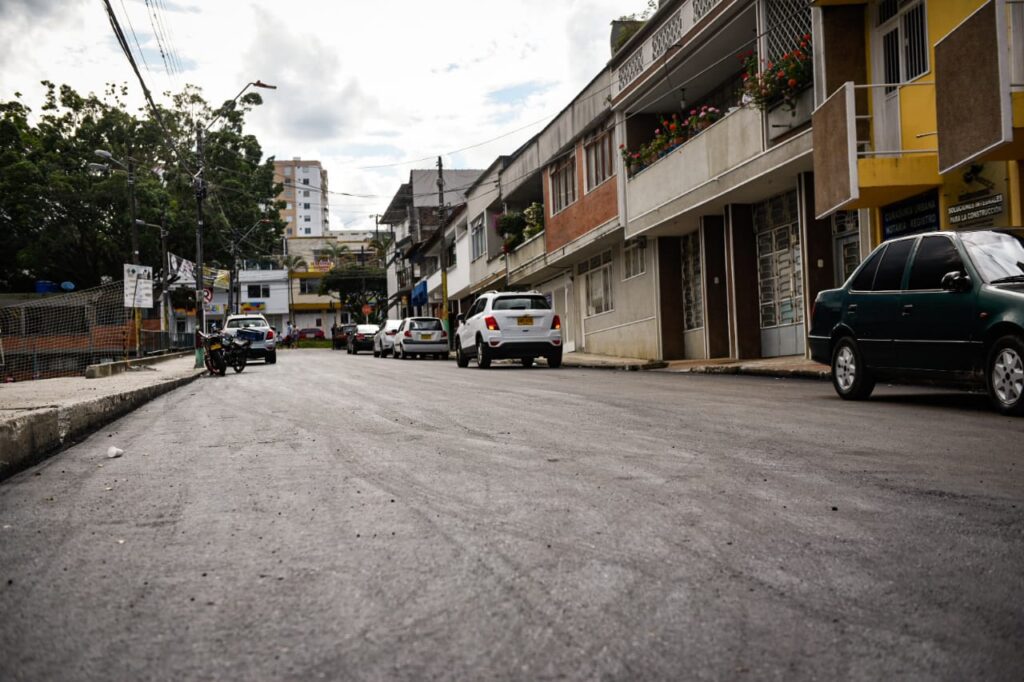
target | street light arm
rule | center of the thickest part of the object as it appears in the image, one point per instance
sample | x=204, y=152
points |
x=256, y=83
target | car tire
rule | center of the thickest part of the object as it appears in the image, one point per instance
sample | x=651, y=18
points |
x=461, y=360
x=483, y=356
x=376, y=353
x=850, y=376
x=271, y=357
x=395, y=353
x=1004, y=375
x=527, y=362
x=555, y=360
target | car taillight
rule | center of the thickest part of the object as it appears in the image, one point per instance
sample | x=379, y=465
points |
x=270, y=335
x=408, y=334
x=491, y=324
x=444, y=334
x=556, y=322
x=392, y=332
x=359, y=337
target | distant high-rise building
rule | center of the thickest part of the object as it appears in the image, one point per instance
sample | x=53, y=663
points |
x=306, y=211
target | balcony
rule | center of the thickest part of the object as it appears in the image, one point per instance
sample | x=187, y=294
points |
x=865, y=160
x=983, y=56
x=527, y=259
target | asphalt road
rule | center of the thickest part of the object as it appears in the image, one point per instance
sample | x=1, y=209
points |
x=345, y=517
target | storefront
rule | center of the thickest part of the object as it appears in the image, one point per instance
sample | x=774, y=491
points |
x=779, y=275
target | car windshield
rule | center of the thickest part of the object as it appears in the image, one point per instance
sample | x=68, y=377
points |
x=425, y=324
x=520, y=303
x=998, y=255
x=242, y=322
x=367, y=329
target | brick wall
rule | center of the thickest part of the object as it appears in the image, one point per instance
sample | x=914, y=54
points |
x=586, y=213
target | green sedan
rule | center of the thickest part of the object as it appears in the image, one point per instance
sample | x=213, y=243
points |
x=945, y=306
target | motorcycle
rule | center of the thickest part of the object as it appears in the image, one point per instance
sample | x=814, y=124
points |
x=214, y=357
x=236, y=352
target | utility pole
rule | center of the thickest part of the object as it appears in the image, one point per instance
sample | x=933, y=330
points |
x=200, y=188
x=137, y=312
x=164, y=294
x=444, y=248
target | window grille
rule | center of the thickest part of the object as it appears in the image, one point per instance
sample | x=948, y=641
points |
x=787, y=21
x=693, y=293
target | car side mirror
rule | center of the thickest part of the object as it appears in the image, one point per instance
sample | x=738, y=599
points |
x=956, y=281
x=460, y=318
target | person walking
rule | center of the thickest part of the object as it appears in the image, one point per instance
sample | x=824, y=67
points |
x=289, y=335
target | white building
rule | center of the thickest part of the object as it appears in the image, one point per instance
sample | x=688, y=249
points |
x=306, y=210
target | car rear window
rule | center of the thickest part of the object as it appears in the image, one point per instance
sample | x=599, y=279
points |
x=425, y=324
x=242, y=322
x=392, y=324
x=520, y=303
x=866, y=275
x=367, y=329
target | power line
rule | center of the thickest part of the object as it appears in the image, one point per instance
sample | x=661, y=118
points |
x=168, y=34
x=134, y=37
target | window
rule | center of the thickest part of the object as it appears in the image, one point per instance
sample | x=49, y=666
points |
x=305, y=169
x=934, y=258
x=563, y=184
x=305, y=181
x=307, y=231
x=904, y=34
x=305, y=218
x=600, y=160
x=479, y=238
x=305, y=192
x=246, y=322
x=306, y=205
x=520, y=303
x=287, y=171
x=634, y=259
x=693, y=290
x=287, y=218
x=597, y=283
x=867, y=273
x=258, y=290
x=890, y=271
x=452, y=256
x=288, y=206
x=309, y=285
x=425, y=324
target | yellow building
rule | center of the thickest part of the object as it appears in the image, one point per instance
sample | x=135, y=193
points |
x=920, y=117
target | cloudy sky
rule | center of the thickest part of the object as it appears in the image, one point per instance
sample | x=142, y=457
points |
x=360, y=83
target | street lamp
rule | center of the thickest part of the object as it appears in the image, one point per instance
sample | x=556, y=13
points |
x=200, y=190
x=129, y=168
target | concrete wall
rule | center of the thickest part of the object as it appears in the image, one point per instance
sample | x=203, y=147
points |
x=277, y=280
x=631, y=328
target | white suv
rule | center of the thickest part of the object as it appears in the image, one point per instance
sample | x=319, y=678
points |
x=511, y=324
x=256, y=329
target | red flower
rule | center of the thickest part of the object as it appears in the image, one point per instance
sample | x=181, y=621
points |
x=803, y=44
x=792, y=82
x=807, y=36
x=693, y=112
x=622, y=146
x=781, y=74
x=672, y=127
x=746, y=76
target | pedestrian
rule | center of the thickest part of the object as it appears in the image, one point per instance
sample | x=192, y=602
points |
x=289, y=335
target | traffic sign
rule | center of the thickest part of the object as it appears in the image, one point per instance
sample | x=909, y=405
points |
x=207, y=295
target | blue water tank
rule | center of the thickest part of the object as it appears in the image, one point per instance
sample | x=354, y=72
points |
x=44, y=286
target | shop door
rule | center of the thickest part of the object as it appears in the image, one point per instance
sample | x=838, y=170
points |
x=780, y=276
x=846, y=253
x=693, y=297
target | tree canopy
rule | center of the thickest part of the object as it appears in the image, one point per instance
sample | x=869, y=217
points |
x=61, y=221
x=357, y=285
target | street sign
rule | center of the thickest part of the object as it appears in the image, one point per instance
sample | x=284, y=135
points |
x=207, y=295
x=138, y=286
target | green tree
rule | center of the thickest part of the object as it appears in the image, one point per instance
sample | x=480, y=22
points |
x=60, y=221
x=356, y=285
x=292, y=263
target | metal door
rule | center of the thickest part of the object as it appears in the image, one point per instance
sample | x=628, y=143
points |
x=780, y=276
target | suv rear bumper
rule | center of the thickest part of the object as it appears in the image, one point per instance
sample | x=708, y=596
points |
x=524, y=349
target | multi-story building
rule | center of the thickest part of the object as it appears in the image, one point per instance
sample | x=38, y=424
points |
x=921, y=116
x=306, y=212
x=263, y=289
x=308, y=307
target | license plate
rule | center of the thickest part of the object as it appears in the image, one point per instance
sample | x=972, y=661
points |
x=524, y=321
x=215, y=346
x=426, y=337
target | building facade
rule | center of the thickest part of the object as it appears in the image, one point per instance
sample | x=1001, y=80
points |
x=306, y=212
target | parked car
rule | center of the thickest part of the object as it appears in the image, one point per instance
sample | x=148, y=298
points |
x=311, y=333
x=419, y=337
x=945, y=306
x=384, y=339
x=256, y=329
x=340, y=334
x=516, y=325
x=361, y=338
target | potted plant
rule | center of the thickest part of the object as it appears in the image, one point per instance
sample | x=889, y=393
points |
x=767, y=84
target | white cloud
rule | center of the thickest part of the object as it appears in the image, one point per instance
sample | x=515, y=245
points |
x=359, y=83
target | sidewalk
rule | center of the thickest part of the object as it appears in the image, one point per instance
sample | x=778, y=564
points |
x=788, y=366
x=40, y=417
x=589, y=360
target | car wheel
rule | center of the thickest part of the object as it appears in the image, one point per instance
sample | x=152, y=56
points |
x=483, y=356
x=527, y=362
x=271, y=357
x=396, y=353
x=460, y=359
x=1005, y=375
x=376, y=353
x=555, y=361
x=850, y=376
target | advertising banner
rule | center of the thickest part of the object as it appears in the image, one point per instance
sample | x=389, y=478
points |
x=138, y=286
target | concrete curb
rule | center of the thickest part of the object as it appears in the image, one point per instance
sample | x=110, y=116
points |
x=32, y=437
x=629, y=367
x=106, y=369
x=778, y=372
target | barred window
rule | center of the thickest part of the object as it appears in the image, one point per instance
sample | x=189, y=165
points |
x=600, y=160
x=634, y=259
x=563, y=184
x=597, y=283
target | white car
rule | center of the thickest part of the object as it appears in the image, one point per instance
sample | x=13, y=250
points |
x=509, y=325
x=384, y=339
x=419, y=337
x=256, y=329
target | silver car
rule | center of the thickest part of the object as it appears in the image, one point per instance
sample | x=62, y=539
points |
x=420, y=337
x=384, y=339
x=256, y=329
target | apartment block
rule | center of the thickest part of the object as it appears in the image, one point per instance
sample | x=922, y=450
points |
x=306, y=212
